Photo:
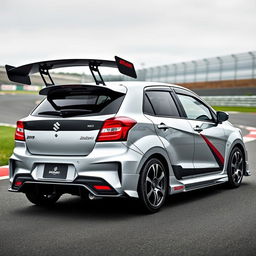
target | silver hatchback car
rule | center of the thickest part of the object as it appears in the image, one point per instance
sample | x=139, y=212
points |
x=143, y=140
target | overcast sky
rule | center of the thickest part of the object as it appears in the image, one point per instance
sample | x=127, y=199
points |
x=149, y=32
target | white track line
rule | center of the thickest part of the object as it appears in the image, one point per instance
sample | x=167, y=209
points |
x=245, y=127
x=9, y=125
x=4, y=166
x=4, y=178
x=251, y=136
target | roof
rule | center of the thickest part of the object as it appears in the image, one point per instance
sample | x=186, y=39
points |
x=142, y=84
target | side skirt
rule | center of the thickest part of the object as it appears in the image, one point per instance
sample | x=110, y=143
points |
x=197, y=183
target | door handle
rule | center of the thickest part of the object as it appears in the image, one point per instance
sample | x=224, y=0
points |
x=197, y=129
x=162, y=126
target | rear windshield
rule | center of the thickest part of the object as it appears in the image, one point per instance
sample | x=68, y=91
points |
x=74, y=105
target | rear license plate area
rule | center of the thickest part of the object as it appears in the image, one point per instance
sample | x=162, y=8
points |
x=55, y=171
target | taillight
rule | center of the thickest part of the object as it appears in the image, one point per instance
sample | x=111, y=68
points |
x=19, y=134
x=98, y=187
x=18, y=183
x=116, y=128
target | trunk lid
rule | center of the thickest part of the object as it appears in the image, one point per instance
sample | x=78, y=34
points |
x=68, y=121
x=62, y=137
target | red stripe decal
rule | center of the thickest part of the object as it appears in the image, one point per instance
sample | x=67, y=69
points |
x=215, y=150
x=4, y=172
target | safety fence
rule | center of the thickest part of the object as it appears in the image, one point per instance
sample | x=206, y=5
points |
x=241, y=101
x=230, y=67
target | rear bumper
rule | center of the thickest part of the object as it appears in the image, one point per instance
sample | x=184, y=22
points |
x=115, y=165
x=78, y=186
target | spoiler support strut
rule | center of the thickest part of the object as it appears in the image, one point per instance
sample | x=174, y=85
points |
x=94, y=68
x=45, y=72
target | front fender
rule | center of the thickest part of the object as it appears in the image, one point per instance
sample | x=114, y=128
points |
x=234, y=139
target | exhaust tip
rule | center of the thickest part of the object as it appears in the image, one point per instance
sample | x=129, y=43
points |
x=93, y=197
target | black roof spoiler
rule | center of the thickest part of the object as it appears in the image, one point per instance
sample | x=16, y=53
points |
x=77, y=88
x=22, y=73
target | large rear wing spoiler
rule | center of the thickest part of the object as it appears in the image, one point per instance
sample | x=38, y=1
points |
x=22, y=73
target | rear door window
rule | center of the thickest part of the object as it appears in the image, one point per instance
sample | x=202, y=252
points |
x=147, y=106
x=163, y=103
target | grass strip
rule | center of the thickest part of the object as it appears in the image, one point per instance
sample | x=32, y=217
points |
x=6, y=143
x=18, y=92
x=236, y=109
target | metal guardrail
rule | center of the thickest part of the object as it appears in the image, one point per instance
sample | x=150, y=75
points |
x=241, y=101
x=220, y=68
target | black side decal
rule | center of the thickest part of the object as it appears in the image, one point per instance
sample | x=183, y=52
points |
x=180, y=172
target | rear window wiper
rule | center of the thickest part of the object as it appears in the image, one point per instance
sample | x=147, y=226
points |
x=66, y=112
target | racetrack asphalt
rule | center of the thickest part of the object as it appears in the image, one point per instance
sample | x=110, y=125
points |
x=17, y=106
x=212, y=221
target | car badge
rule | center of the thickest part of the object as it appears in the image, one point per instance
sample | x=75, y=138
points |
x=56, y=126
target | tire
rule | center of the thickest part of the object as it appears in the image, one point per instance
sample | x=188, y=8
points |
x=235, y=169
x=152, y=186
x=39, y=198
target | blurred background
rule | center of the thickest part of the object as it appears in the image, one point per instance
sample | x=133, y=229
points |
x=206, y=46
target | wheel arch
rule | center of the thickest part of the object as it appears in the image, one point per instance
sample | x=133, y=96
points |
x=239, y=145
x=163, y=161
x=142, y=190
x=158, y=153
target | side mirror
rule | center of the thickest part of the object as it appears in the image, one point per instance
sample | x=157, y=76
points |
x=222, y=116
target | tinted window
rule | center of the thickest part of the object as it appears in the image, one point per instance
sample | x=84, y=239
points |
x=147, y=107
x=163, y=103
x=195, y=109
x=90, y=104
